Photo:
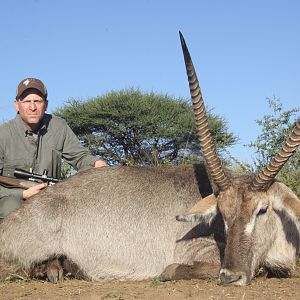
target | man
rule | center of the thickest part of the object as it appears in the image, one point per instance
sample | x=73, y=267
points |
x=36, y=141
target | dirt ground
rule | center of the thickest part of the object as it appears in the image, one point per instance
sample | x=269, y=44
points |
x=260, y=288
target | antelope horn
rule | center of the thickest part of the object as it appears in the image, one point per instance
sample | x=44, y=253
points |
x=204, y=136
x=264, y=177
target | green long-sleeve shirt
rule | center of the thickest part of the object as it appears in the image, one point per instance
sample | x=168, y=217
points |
x=55, y=140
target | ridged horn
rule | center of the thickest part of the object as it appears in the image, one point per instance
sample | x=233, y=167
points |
x=263, y=178
x=204, y=136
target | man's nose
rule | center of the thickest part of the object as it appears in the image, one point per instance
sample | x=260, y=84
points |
x=32, y=106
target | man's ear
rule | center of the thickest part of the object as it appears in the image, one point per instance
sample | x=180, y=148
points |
x=46, y=104
x=16, y=105
x=204, y=210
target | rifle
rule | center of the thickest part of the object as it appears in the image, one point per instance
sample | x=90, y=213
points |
x=27, y=179
x=19, y=173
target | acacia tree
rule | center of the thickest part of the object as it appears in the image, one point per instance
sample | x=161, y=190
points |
x=130, y=127
x=275, y=129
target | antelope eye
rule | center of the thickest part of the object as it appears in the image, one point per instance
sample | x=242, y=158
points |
x=262, y=211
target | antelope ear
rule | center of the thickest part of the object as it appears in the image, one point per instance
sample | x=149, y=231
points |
x=293, y=204
x=288, y=199
x=204, y=210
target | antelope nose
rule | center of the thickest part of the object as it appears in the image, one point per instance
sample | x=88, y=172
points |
x=228, y=277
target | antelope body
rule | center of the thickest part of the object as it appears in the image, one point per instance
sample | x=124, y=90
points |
x=118, y=223
x=113, y=223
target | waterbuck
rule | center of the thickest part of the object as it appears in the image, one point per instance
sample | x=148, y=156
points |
x=119, y=223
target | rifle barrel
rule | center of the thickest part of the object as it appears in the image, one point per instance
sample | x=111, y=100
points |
x=19, y=173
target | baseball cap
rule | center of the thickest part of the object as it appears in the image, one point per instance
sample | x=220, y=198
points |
x=31, y=83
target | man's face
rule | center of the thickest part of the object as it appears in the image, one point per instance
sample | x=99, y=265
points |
x=31, y=107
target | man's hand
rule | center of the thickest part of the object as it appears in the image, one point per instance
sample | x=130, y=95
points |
x=34, y=190
x=100, y=164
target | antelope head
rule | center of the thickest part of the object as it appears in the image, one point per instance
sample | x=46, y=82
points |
x=261, y=216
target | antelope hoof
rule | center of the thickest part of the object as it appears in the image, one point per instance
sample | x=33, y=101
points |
x=54, y=271
x=169, y=273
x=199, y=270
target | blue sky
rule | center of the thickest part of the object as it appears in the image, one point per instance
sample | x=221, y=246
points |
x=243, y=52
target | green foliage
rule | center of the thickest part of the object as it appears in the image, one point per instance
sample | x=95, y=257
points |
x=275, y=129
x=16, y=278
x=155, y=282
x=66, y=170
x=130, y=127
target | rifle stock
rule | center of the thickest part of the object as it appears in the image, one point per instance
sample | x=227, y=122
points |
x=16, y=183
